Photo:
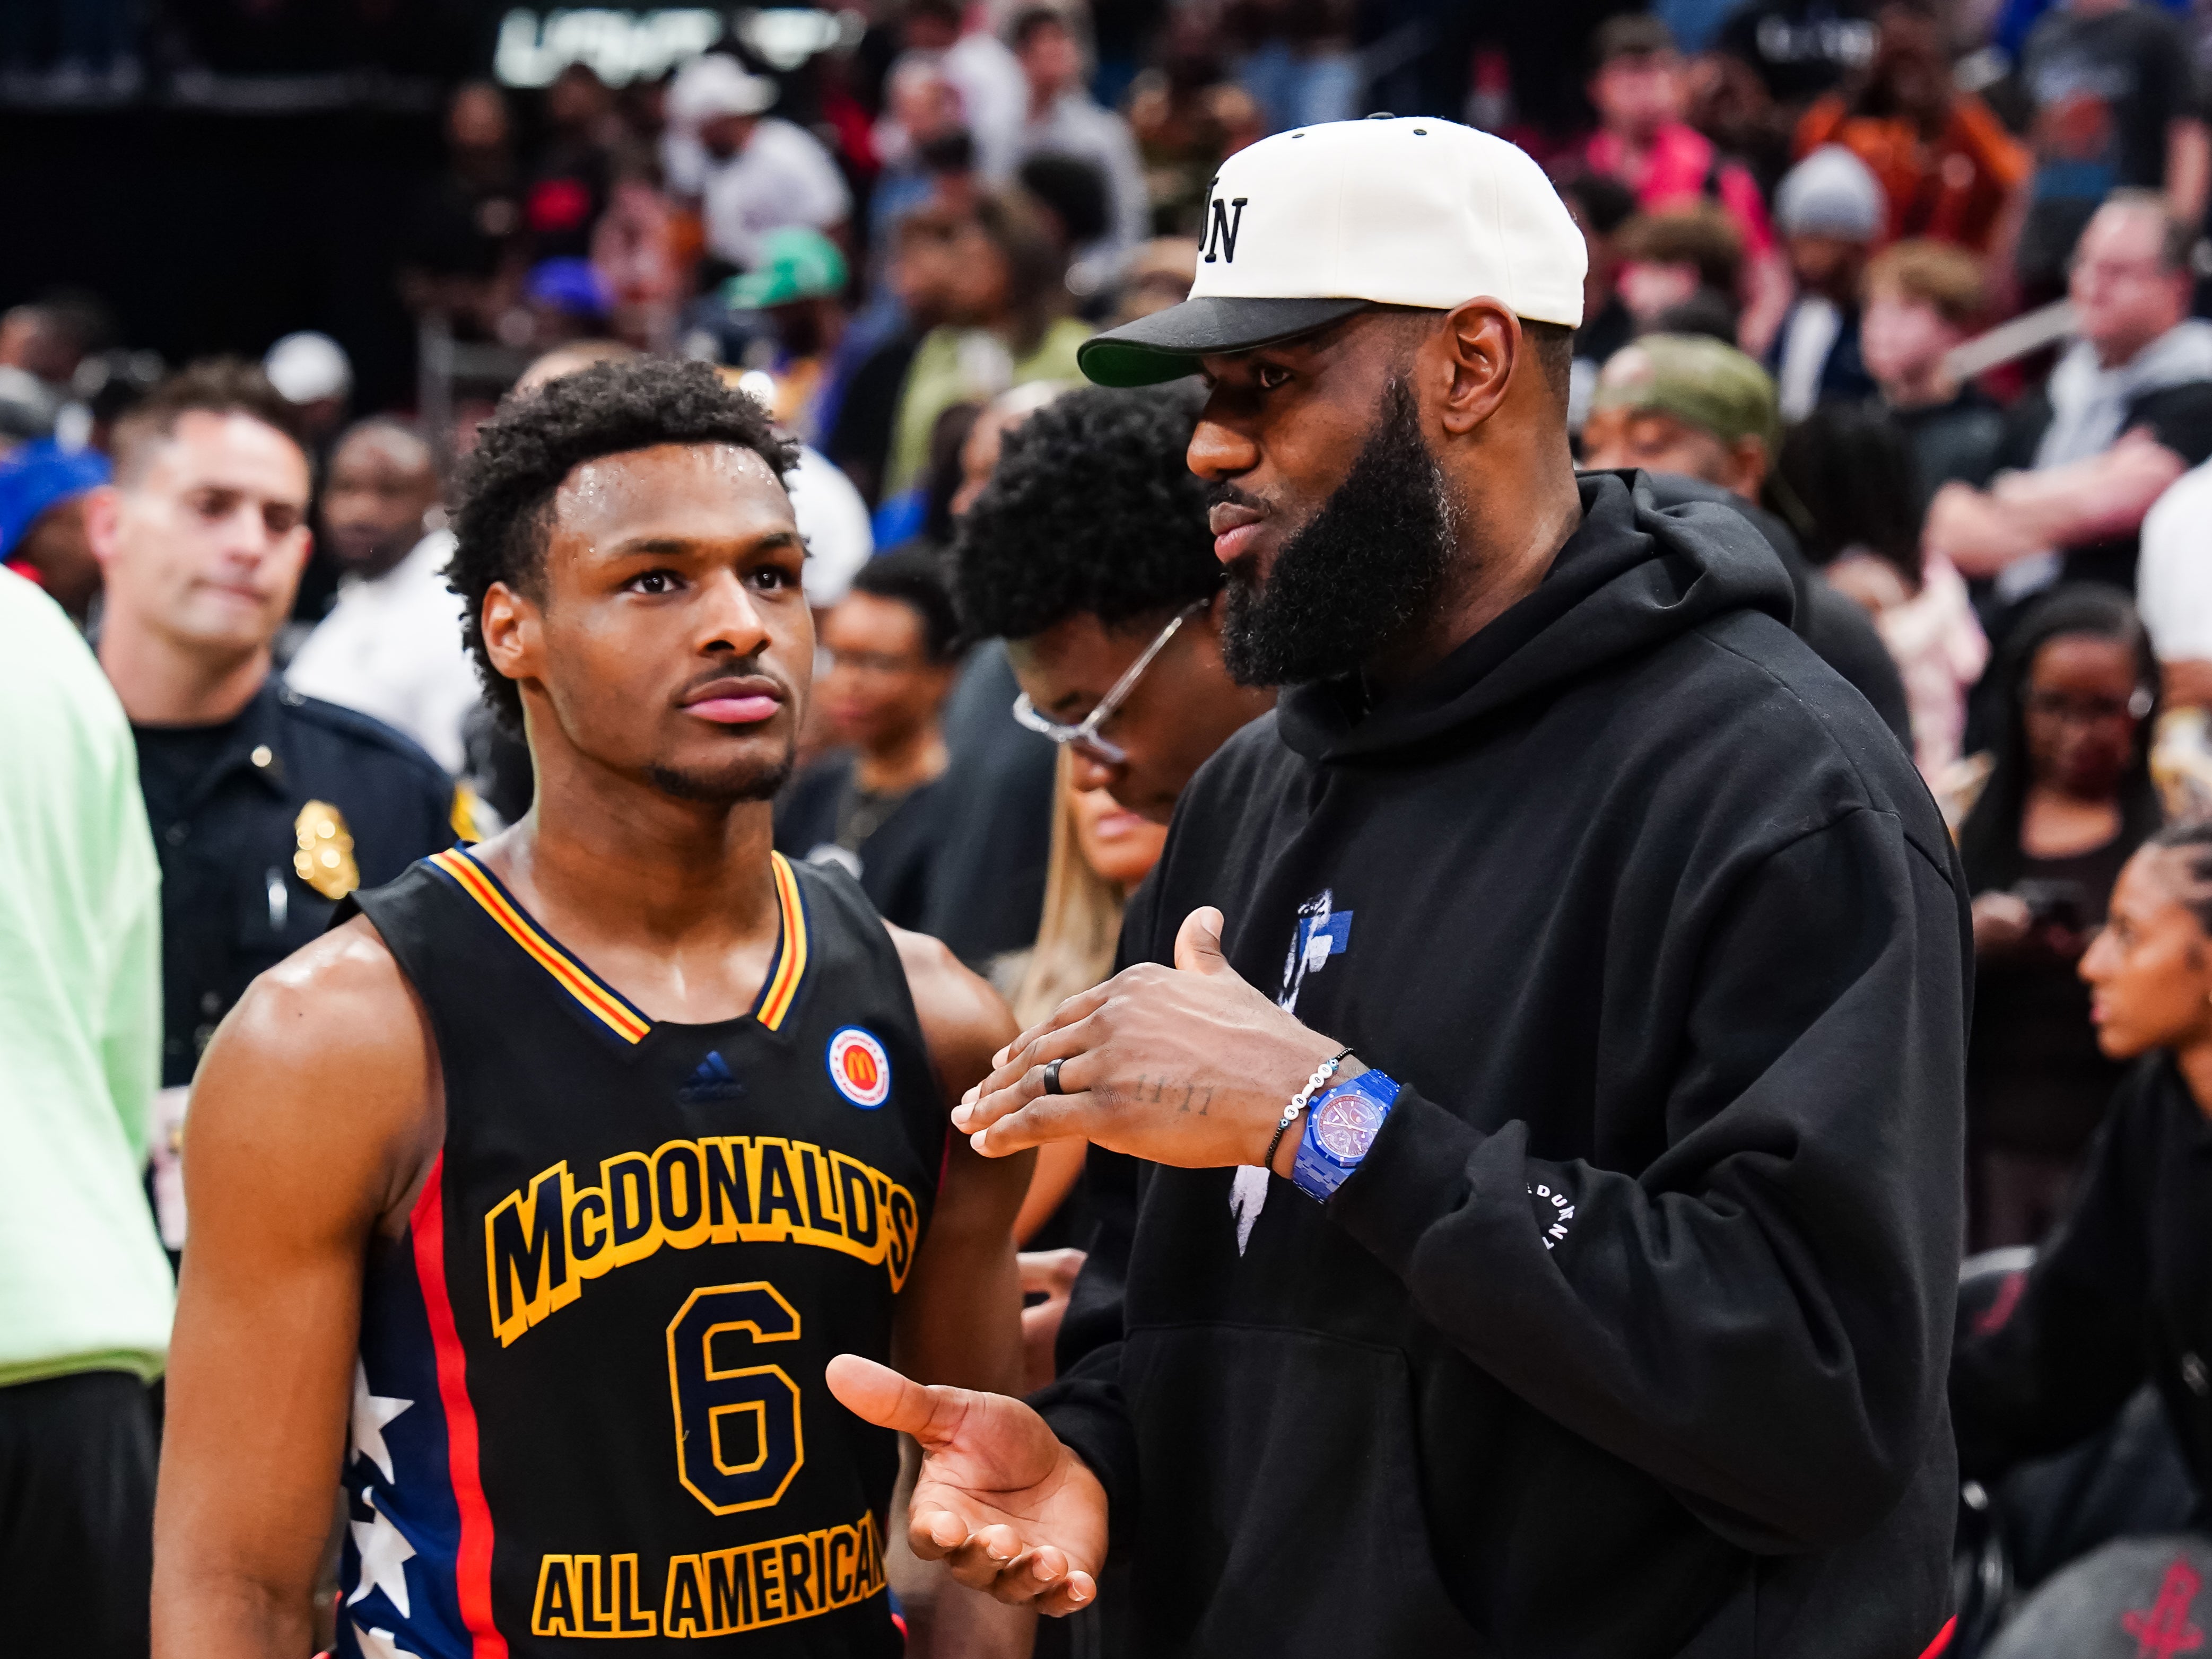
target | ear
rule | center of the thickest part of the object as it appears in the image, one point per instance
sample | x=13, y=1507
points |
x=510, y=623
x=1748, y=462
x=1479, y=343
x=103, y=518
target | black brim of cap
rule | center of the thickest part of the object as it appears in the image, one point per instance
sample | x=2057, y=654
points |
x=1165, y=345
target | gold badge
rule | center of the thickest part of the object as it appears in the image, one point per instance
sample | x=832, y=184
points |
x=324, y=860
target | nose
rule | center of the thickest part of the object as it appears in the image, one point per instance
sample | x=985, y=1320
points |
x=1087, y=772
x=728, y=619
x=1218, y=450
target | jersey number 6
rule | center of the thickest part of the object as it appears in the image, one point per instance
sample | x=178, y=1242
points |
x=738, y=1436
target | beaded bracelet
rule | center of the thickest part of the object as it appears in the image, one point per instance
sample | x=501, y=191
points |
x=1321, y=1075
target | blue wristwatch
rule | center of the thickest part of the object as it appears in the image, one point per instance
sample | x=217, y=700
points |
x=1339, y=1128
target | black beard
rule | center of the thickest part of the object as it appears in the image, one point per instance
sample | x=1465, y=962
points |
x=723, y=788
x=1359, y=575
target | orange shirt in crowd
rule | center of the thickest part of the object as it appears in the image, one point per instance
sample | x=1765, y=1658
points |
x=1953, y=190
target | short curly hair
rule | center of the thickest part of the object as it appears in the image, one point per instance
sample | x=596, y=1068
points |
x=506, y=486
x=1092, y=509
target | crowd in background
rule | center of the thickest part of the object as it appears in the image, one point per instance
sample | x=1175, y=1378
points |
x=1914, y=288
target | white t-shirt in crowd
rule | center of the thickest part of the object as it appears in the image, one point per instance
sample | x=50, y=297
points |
x=390, y=648
x=782, y=177
x=833, y=517
x=2174, y=574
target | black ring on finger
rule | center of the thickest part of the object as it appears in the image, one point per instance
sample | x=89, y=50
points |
x=1052, y=1077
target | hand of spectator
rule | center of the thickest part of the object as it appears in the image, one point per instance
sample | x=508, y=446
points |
x=1974, y=530
x=2087, y=501
x=1051, y=1273
x=1186, y=1066
x=1010, y=1510
x=2002, y=922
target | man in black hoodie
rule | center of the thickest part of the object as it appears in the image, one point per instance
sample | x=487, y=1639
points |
x=1555, y=1097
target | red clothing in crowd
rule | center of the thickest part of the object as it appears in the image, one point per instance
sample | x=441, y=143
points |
x=1680, y=167
x=1952, y=189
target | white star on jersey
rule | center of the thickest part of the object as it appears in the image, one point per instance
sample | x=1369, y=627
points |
x=371, y=1412
x=380, y=1644
x=383, y=1556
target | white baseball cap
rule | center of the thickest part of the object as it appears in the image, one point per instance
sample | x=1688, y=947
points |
x=714, y=85
x=1307, y=227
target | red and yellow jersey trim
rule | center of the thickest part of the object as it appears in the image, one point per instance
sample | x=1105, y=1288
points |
x=601, y=1000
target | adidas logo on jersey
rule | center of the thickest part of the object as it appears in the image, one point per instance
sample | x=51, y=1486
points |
x=712, y=1082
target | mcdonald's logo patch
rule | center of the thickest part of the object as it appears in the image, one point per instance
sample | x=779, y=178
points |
x=859, y=1068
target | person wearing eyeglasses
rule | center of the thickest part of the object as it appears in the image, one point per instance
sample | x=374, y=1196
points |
x=2066, y=801
x=872, y=806
x=1089, y=553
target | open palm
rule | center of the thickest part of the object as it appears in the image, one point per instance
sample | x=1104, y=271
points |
x=999, y=1499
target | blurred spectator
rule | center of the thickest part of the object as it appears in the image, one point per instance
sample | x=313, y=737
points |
x=2068, y=800
x=568, y=185
x=42, y=491
x=985, y=439
x=761, y=173
x=463, y=254
x=798, y=290
x=1100, y=851
x=2115, y=1297
x=923, y=126
x=1851, y=470
x=1949, y=168
x=873, y=808
x=1186, y=115
x=1158, y=275
x=2130, y=411
x=84, y=1294
x=1705, y=412
x=1922, y=300
x=1830, y=211
x=922, y=279
x=1294, y=57
x=1003, y=328
x=268, y=807
x=644, y=251
x=312, y=373
x=1640, y=94
x=992, y=94
x=1687, y=260
x=2173, y=589
x=1800, y=48
x=1601, y=207
x=1064, y=119
x=390, y=646
x=49, y=337
x=566, y=300
x=2116, y=106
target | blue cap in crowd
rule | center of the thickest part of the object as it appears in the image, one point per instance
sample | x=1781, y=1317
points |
x=39, y=475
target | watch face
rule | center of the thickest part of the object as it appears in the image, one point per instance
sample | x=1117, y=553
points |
x=1345, y=1125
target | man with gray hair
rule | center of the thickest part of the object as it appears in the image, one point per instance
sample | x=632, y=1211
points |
x=2130, y=411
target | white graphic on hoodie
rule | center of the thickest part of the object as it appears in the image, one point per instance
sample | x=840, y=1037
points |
x=1319, y=932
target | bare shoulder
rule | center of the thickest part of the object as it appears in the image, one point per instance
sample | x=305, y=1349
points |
x=327, y=1058
x=963, y=1020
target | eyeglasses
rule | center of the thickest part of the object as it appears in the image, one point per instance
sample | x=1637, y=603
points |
x=1088, y=744
x=2087, y=710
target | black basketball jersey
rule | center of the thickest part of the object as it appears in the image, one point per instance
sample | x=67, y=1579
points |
x=589, y=1406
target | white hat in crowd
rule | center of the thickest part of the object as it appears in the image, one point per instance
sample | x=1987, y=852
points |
x=1312, y=225
x=715, y=85
x=307, y=367
x=1831, y=193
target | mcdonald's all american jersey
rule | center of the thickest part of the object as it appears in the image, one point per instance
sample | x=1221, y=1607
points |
x=589, y=1414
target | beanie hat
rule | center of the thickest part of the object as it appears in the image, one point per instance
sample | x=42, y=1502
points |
x=1831, y=193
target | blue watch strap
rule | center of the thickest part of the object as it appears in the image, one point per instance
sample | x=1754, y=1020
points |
x=1339, y=1127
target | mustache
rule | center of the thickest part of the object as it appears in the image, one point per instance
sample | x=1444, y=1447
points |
x=753, y=667
x=1222, y=493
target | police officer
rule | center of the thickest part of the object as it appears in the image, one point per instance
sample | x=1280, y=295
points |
x=268, y=807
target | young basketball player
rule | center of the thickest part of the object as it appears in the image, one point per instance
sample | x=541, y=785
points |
x=531, y=1202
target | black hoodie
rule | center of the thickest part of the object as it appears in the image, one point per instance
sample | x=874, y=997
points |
x=1629, y=1336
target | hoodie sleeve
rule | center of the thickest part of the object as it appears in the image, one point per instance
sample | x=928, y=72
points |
x=1761, y=1318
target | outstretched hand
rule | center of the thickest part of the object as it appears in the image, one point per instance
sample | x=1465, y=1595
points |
x=1188, y=1066
x=1012, y=1511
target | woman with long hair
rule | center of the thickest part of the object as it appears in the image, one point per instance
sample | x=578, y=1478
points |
x=2116, y=1294
x=2067, y=800
x=1100, y=852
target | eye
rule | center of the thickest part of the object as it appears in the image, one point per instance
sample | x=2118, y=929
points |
x=1268, y=376
x=655, y=582
x=769, y=579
